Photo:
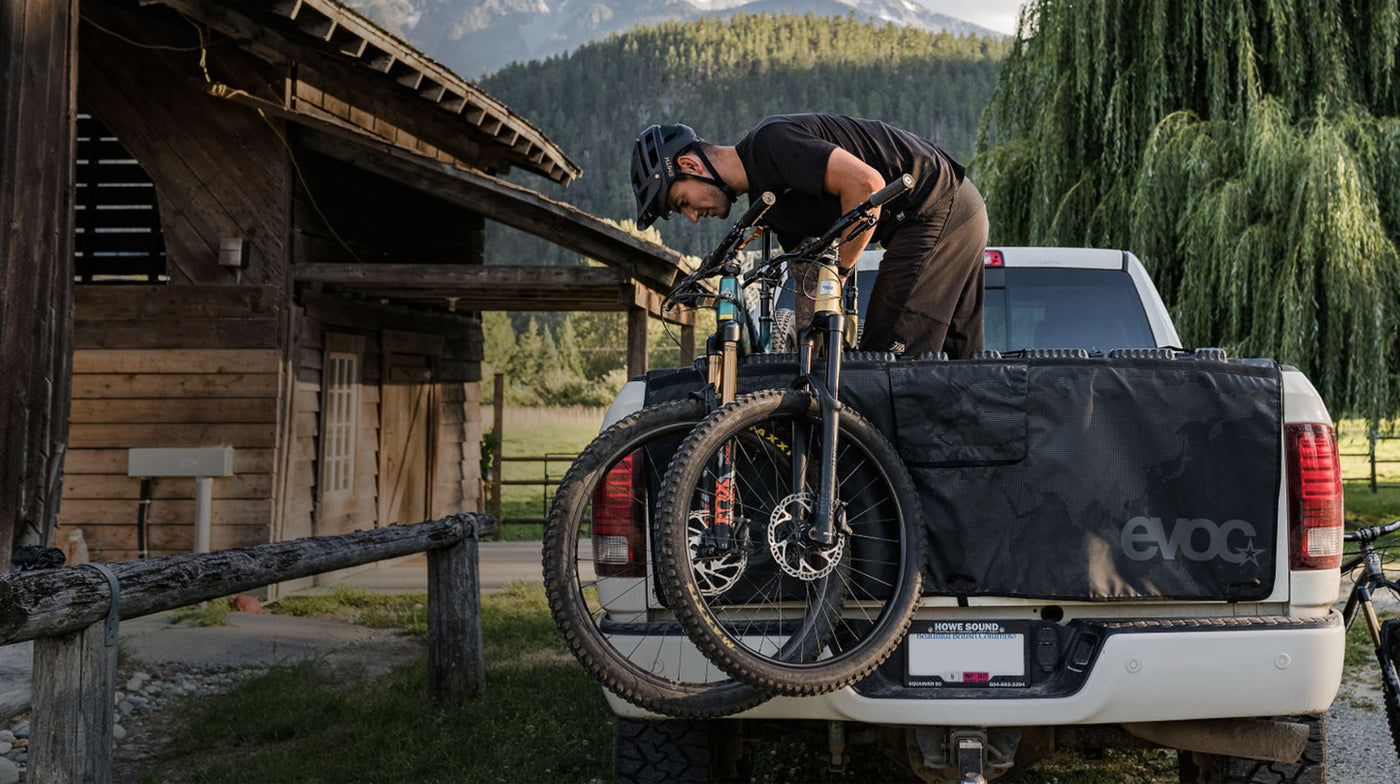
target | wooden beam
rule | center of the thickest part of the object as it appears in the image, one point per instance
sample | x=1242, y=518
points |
x=38, y=79
x=53, y=602
x=445, y=275
x=654, y=265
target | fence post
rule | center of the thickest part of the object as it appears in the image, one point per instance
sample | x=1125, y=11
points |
x=1371, y=435
x=74, y=683
x=498, y=421
x=456, y=662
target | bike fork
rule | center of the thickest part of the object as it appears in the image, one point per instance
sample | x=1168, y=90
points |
x=824, y=529
x=720, y=536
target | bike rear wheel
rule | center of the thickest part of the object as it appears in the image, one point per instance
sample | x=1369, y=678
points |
x=802, y=618
x=599, y=583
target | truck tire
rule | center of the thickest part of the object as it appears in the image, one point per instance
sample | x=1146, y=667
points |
x=647, y=751
x=1311, y=768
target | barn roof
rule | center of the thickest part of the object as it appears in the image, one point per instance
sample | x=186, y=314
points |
x=345, y=53
x=365, y=97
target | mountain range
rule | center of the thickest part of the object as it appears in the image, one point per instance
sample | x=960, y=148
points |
x=476, y=37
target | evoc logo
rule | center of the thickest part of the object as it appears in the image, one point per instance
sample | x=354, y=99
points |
x=1145, y=538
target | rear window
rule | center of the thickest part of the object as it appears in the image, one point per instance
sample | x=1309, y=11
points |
x=1098, y=310
x=1064, y=308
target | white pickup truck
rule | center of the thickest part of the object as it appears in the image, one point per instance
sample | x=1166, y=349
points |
x=1131, y=545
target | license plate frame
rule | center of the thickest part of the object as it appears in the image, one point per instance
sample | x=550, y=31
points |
x=972, y=654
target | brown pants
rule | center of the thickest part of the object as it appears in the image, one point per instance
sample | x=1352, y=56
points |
x=928, y=295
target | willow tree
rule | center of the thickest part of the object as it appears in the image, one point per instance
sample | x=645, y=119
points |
x=1247, y=150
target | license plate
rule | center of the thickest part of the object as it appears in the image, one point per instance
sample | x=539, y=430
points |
x=966, y=654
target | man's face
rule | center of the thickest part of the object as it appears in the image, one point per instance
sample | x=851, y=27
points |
x=696, y=199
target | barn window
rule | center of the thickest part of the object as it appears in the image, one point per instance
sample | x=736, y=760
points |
x=339, y=403
x=116, y=221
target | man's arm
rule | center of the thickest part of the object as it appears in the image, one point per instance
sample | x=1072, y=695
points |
x=852, y=181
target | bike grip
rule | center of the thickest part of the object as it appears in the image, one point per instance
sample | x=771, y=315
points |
x=760, y=205
x=904, y=183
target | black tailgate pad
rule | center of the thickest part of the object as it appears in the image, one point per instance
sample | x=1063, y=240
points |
x=1077, y=479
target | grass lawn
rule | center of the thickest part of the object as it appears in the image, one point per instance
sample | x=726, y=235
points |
x=543, y=719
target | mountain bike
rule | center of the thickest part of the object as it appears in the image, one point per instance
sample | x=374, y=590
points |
x=814, y=501
x=1385, y=635
x=596, y=537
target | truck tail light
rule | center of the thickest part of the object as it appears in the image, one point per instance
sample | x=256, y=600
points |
x=619, y=520
x=992, y=258
x=1314, y=497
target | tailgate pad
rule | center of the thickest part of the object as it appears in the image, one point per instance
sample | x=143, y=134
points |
x=1088, y=479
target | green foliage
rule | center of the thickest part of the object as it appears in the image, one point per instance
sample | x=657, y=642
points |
x=1247, y=150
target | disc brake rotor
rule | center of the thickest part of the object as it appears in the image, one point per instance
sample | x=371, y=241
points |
x=797, y=555
x=713, y=576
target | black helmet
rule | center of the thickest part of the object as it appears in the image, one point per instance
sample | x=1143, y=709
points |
x=654, y=168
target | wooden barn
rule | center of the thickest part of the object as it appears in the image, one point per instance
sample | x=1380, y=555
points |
x=278, y=217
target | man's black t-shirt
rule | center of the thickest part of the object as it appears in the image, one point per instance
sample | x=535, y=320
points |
x=787, y=154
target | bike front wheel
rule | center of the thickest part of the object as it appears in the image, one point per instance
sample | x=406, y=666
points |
x=803, y=617
x=1389, y=655
x=598, y=578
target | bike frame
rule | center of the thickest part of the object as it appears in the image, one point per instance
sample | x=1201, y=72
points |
x=721, y=361
x=1372, y=576
x=829, y=319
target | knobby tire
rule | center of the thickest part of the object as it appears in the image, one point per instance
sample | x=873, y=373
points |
x=786, y=630
x=1390, y=658
x=647, y=672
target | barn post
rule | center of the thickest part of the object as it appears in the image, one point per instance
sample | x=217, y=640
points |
x=636, y=341
x=38, y=104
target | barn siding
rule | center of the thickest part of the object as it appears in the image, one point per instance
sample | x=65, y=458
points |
x=220, y=169
x=180, y=367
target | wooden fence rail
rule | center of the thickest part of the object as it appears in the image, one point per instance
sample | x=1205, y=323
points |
x=65, y=611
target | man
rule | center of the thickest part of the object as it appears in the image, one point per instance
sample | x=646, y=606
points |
x=928, y=295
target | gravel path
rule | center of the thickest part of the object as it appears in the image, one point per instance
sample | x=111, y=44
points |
x=1359, y=750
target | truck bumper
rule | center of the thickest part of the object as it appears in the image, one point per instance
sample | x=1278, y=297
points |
x=1151, y=671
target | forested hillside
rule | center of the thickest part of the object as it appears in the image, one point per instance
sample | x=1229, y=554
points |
x=475, y=37
x=723, y=75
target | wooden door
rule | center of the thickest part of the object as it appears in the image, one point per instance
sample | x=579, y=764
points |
x=408, y=426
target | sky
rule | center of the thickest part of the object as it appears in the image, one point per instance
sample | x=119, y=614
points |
x=998, y=15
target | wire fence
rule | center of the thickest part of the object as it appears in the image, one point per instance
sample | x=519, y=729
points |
x=1370, y=453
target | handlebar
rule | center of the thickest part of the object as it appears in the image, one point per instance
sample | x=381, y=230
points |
x=755, y=211
x=904, y=183
x=729, y=244
x=860, y=214
x=1371, y=534
x=725, y=250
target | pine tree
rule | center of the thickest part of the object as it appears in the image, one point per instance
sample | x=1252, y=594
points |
x=1247, y=150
